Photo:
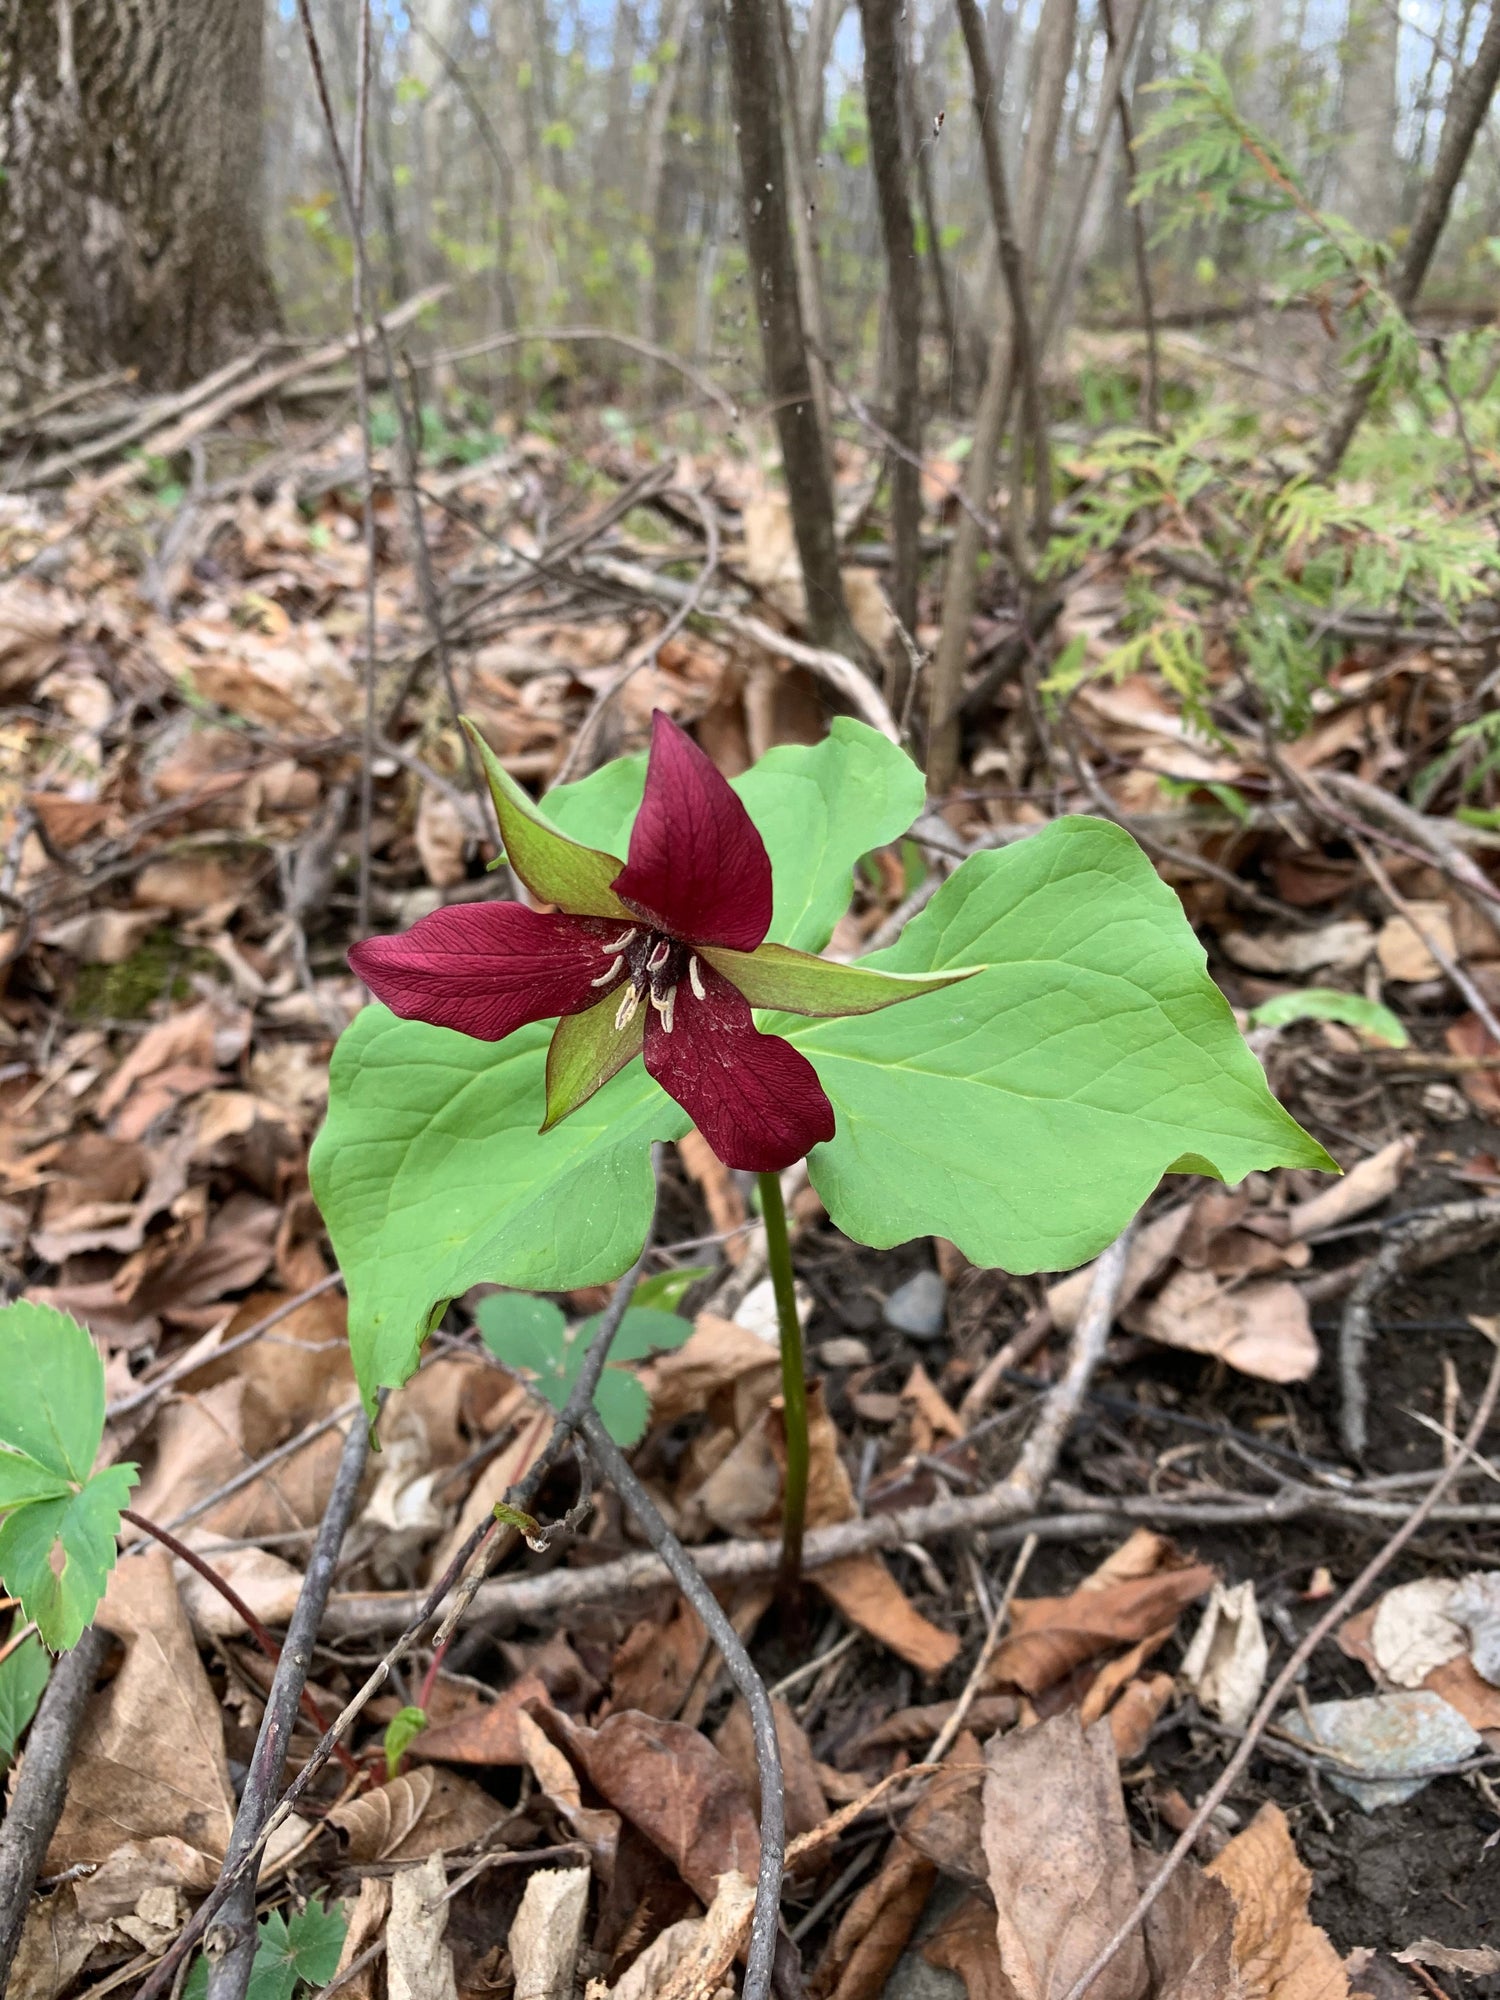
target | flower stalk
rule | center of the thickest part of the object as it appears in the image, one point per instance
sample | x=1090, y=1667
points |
x=793, y=1378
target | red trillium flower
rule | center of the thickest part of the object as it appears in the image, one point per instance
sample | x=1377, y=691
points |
x=662, y=955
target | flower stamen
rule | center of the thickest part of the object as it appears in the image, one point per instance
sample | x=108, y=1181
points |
x=605, y=977
x=659, y=956
x=695, y=977
x=630, y=999
x=666, y=1006
x=619, y=943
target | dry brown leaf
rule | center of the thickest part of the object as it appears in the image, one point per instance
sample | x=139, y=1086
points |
x=191, y=885
x=1262, y=1328
x=1402, y=946
x=1189, y=1935
x=1343, y=945
x=442, y=836
x=1151, y=1250
x=806, y=1805
x=200, y=1037
x=150, y=1756
x=34, y=621
x=486, y=1735
x=656, y=1663
x=722, y=1368
x=726, y=1205
x=1413, y=1631
x=1132, y=1716
x=1051, y=1636
x=1059, y=1857
x=965, y=1943
x=420, y=1812
x=672, y=1784
x=987, y=1713
x=1368, y=1183
x=1475, y=1962
x=267, y=1584
x=1468, y=1036
x=691, y=1960
x=1225, y=1663
x=366, y=1920
x=599, y=1830
x=930, y=1408
x=870, y=1597
x=876, y=1928
x=418, y=1964
x=101, y=937
x=547, y=1933
x=1279, y=1952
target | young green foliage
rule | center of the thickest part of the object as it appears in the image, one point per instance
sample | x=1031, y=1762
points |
x=289, y=1952
x=403, y=1729
x=531, y=1334
x=58, y=1518
x=23, y=1677
x=1326, y=1003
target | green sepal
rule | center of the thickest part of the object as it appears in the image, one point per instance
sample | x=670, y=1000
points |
x=555, y=869
x=586, y=1051
x=797, y=982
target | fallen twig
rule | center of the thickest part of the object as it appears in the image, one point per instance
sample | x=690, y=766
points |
x=41, y=1784
x=1333, y=1617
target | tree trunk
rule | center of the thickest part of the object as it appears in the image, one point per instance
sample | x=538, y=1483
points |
x=1369, y=182
x=756, y=99
x=130, y=189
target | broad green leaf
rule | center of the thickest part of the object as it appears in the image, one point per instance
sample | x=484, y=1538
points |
x=432, y=1176
x=587, y=1050
x=667, y=1289
x=818, y=808
x=530, y=1333
x=1326, y=1003
x=801, y=983
x=57, y=1538
x=23, y=1676
x=56, y=1555
x=289, y=1952
x=403, y=1729
x=1027, y=1113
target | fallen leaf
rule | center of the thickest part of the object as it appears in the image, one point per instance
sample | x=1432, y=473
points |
x=670, y=1782
x=1475, y=1605
x=1279, y=1952
x=987, y=1713
x=868, y=1595
x=722, y=1369
x=1414, y=1630
x=965, y=1943
x=101, y=937
x=418, y=1964
x=1476, y=1961
x=1151, y=1250
x=1051, y=1636
x=150, y=1756
x=1058, y=1851
x=1468, y=1036
x=876, y=1928
x=1343, y=945
x=598, y=1829
x=1366, y=1185
x=1261, y=1328
x=267, y=1584
x=421, y=1812
x=1189, y=1934
x=806, y=1806
x=546, y=1933
x=691, y=1960
x=1225, y=1663
x=486, y=1735
x=1402, y=945
x=1133, y=1716
x=725, y=1203
x=367, y=1916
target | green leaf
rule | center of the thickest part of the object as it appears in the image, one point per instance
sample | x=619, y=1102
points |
x=57, y=1538
x=1027, y=1113
x=1326, y=1003
x=404, y=1727
x=432, y=1177
x=23, y=1676
x=554, y=868
x=291, y=1951
x=667, y=1289
x=530, y=1333
x=818, y=808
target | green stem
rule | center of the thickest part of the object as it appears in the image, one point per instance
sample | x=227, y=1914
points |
x=793, y=1377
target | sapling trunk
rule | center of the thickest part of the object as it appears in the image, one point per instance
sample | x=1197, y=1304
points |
x=793, y=1378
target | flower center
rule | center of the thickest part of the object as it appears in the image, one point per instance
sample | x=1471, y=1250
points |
x=655, y=966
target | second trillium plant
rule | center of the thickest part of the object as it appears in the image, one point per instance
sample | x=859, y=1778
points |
x=1016, y=1073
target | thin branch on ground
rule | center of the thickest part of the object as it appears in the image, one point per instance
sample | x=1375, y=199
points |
x=193, y=1360
x=1452, y=971
x=1276, y=1693
x=41, y=1783
x=766, y=1922
x=948, y=1734
x=230, y=1944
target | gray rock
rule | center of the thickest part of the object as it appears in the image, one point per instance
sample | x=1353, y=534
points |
x=844, y=1352
x=918, y=1308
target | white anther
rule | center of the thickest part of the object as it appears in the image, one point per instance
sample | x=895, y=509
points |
x=619, y=943
x=695, y=977
x=659, y=957
x=666, y=1007
x=625, y=1012
x=605, y=977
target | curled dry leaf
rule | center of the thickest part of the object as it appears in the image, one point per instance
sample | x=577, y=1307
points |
x=1475, y=1605
x=1414, y=1630
x=965, y=1943
x=876, y=1928
x=1402, y=946
x=1059, y=1857
x=1366, y=1185
x=1475, y=1962
x=598, y=1829
x=418, y=1964
x=547, y=1932
x=1279, y=1952
x=1225, y=1663
x=1262, y=1328
x=806, y=1805
x=367, y=1916
x=487, y=1735
x=1343, y=945
x=421, y=1812
x=692, y=1960
x=1050, y=1637
x=1132, y=1717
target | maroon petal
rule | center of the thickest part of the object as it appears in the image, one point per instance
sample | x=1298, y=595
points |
x=697, y=866
x=756, y=1099
x=489, y=968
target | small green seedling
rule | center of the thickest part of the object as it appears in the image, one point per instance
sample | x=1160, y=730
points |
x=289, y=1952
x=23, y=1677
x=1326, y=1003
x=532, y=1335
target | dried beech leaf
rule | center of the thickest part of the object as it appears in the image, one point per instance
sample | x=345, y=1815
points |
x=419, y=1965
x=1279, y=1952
x=547, y=1931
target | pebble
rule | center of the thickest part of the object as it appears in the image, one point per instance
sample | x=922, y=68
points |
x=918, y=1308
x=844, y=1353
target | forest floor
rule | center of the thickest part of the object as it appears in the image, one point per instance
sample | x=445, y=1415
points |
x=182, y=874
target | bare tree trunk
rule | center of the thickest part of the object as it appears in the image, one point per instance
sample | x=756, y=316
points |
x=823, y=21
x=751, y=36
x=1468, y=107
x=1052, y=57
x=919, y=138
x=130, y=189
x=651, y=315
x=880, y=21
x=803, y=217
x=1368, y=184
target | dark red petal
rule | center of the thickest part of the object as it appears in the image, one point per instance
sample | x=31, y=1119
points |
x=488, y=968
x=756, y=1099
x=697, y=866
